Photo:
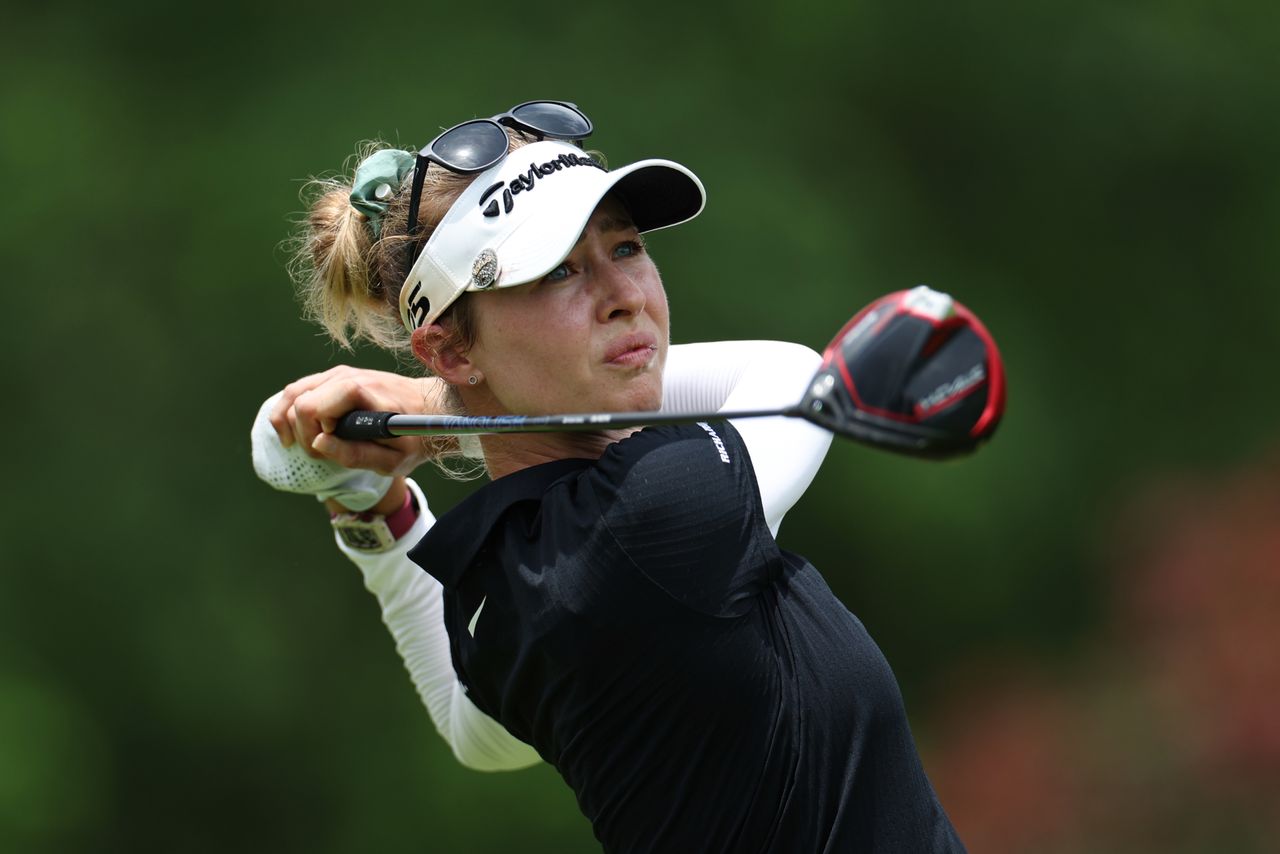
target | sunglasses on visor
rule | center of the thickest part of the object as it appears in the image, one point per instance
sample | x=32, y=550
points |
x=475, y=145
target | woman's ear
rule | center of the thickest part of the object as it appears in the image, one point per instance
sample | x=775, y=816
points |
x=438, y=348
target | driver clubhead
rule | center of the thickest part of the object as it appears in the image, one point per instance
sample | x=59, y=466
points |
x=914, y=372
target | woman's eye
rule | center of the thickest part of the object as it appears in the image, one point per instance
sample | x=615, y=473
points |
x=559, y=274
x=629, y=248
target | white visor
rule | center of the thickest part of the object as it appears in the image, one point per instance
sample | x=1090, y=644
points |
x=519, y=219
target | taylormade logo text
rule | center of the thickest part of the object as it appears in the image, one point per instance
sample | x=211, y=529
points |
x=529, y=181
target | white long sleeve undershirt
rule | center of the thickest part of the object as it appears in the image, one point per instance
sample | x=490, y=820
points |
x=413, y=610
x=720, y=376
x=727, y=376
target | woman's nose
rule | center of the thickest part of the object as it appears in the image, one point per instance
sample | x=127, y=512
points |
x=620, y=294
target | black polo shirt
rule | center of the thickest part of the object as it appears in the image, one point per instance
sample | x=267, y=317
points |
x=700, y=689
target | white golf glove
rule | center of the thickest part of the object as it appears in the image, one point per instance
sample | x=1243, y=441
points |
x=292, y=470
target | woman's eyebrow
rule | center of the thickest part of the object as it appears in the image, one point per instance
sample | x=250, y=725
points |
x=613, y=223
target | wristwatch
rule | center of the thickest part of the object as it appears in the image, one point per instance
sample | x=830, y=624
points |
x=373, y=532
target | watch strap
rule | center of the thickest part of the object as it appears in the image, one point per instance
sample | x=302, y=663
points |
x=402, y=520
x=374, y=532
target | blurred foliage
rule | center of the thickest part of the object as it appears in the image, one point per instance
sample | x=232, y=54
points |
x=185, y=662
x=1162, y=734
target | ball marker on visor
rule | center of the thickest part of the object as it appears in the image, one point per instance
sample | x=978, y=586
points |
x=915, y=372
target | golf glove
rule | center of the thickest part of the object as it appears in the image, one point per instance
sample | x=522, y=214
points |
x=292, y=470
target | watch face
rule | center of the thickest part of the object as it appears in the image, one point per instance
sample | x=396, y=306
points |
x=364, y=536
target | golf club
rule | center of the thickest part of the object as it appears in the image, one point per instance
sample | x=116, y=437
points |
x=914, y=372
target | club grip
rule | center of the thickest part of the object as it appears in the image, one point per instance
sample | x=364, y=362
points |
x=362, y=424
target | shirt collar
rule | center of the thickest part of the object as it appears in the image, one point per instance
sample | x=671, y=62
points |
x=452, y=542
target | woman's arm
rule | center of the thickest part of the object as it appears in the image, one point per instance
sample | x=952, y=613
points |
x=287, y=456
x=732, y=375
x=413, y=611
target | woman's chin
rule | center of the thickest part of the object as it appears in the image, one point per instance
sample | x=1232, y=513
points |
x=646, y=397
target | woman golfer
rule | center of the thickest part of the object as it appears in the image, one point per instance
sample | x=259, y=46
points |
x=612, y=603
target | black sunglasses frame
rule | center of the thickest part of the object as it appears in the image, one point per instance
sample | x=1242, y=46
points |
x=428, y=155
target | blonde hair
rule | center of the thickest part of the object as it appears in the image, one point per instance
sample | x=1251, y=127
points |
x=349, y=281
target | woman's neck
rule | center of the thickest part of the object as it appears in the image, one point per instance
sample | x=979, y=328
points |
x=505, y=453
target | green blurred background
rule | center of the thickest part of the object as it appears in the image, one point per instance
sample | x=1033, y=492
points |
x=1083, y=616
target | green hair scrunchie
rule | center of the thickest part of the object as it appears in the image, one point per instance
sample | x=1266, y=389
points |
x=378, y=178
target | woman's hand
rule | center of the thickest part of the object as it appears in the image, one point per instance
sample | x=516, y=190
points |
x=309, y=409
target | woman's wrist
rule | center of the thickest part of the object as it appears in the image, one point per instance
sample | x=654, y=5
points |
x=392, y=501
x=378, y=529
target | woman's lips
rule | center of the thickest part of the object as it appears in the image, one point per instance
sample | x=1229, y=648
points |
x=632, y=351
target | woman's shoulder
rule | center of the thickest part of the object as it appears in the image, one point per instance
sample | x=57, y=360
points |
x=682, y=503
x=686, y=480
x=701, y=444
x=663, y=463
